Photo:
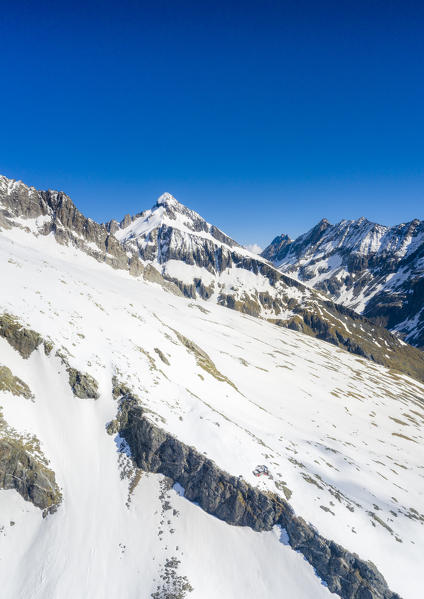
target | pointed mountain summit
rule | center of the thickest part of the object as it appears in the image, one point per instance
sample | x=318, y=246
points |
x=276, y=250
x=166, y=225
x=167, y=199
x=283, y=246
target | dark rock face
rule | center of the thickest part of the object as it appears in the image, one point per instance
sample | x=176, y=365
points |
x=231, y=499
x=28, y=476
x=82, y=384
x=24, y=340
x=277, y=248
x=355, y=260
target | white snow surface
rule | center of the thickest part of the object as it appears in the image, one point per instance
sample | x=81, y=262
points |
x=342, y=434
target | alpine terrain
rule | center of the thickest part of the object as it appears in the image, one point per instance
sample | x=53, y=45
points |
x=378, y=271
x=181, y=419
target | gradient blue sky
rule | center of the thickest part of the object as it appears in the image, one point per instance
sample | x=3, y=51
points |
x=262, y=116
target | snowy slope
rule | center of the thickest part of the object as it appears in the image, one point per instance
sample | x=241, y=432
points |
x=341, y=436
x=373, y=269
x=174, y=246
x=100, y=544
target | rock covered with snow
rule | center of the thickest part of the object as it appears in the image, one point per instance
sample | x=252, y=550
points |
x=376, y=270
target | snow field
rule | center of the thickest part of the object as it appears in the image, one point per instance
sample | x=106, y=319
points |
x=340, y=435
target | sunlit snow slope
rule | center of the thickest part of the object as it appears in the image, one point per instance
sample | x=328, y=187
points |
x=341, y=436
x=174, y=246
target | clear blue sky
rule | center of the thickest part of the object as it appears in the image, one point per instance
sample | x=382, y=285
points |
x=262, y=116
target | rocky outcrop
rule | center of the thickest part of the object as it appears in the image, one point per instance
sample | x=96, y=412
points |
x=152, y=275
x=83, y=385
x=13, y=384
x=234, y=501
x=24, y=340
x=31, y=478
x=202, y=358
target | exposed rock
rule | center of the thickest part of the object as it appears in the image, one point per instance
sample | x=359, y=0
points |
x=202, y=359
x=162, y=356
x=48, y=346
x=119, y=388
x=205, y=291
x=24, y=340
x=153, y=275
x=32, y=479
x=185, y=289
x=9, y=382
x=276, y=250
x=245, y=304
x=231, y=499
x=171, y=585
x=83, y=385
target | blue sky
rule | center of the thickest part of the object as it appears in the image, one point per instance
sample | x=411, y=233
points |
x=263, y=116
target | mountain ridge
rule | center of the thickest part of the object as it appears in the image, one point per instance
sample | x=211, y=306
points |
x=373, y=269
x=152, y=412
x=175, y=247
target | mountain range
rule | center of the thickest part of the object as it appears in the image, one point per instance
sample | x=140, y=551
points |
x=174, y=245
x=378, y=271
x=150, y=369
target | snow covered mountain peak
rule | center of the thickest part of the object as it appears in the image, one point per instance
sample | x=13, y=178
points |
x=8, y=186
x=167, y=199
x=169, y=228
x=374, y=269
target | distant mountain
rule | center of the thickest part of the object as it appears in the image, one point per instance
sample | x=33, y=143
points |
x=376, y=270
x=175, y=247
x=155, y=446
